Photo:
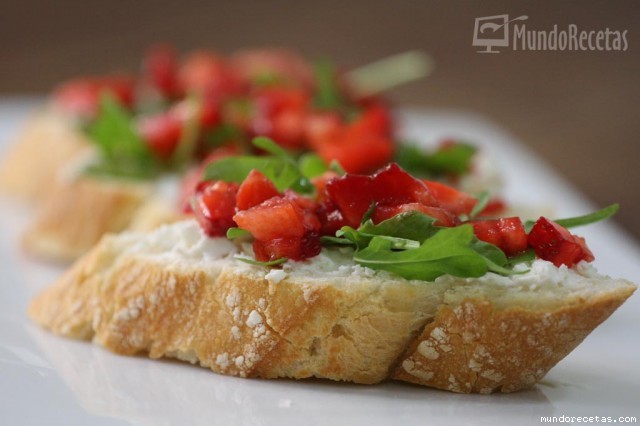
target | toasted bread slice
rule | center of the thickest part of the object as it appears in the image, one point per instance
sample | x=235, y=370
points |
x=177, y=293
x=47, y=144
x=79, y=211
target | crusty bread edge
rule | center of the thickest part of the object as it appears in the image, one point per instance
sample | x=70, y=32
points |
x=242, y=324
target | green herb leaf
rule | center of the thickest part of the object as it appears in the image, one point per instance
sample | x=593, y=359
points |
x=335, y=166
x=223, y=134
x=233, y=233
x=449, y=251
x=367, y=215
x=412, y=225
x=326, y=239
x=450, y=160
x=390, y=72
x=311, y=165
x=258, y=263
x=483, y=199
x=123, y=153
x=328, y=94
x=587, y=219
x=187, y=144
x=590, y=218
x=525, y=257
x=280, y=167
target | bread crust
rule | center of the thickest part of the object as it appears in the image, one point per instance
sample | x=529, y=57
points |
x=78, y=212
x=46, y=145
x=235, y=321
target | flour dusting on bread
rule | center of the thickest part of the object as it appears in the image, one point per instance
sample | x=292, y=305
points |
x=176, y=293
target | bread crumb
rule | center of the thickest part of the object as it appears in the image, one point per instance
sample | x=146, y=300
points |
x=494, y=375
x=426, y=349
x=274, y=276
x=222, y=360
x=239, y=361
x=235, y=332
x=254, y=319
x=232, y=299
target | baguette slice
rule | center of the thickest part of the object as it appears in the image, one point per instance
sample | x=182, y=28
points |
x=176, y=293
x=45, y=146
x=79, y=211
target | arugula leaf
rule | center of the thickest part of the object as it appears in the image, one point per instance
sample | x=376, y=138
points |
x=235, y=232
x=366, y=217
x=311, y=165
x=525, y=257
x=483, y=199
x=412, y=225
x=449, y=251
x=336, y=167
x=123, y=153
x=258, y=263
x=411, y=246
x=280, y=167
x=455, y=159
x=223, y=134
x=587, y=219
x=187, y=144
x=328, y=94
x=590, y=218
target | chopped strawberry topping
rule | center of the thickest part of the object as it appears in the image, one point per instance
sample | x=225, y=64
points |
x=214, y=207
x=161, y=133
x=449, y=198
x=282, y=227
x=442, y=216
x=254, y=190
x=160, y=66
x=391, y=186
x=277, y=217
x=81, y=96
x=556, y=244
x=359, y=147
x=208, y=74
x=507, y=233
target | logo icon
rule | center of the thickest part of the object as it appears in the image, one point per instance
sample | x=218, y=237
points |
x=493, y=31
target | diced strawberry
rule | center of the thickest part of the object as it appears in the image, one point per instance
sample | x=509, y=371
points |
x=356, y=152
x=320, y=182
x=360, y=146
x=506, y=233
x=255, y=189
x=277, y=217
x=209, y=113
x=391, y=186
x=309, y=208
x=279, y=63
x=449, y=198
x=556, y=244
x=81, y=96
x=294, y=248
x=160, y=65
x=194, y=177
x=161, y=133
x=208, y=74
x=188, y=187
x=442, y=216
x=321, y=125
x=352, y=195
x=280, y=113
x=494, y=207
x=375, y=118
x=214, y=207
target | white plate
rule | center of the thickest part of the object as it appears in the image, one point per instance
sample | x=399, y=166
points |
x=46, y=379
